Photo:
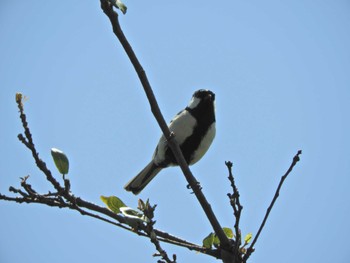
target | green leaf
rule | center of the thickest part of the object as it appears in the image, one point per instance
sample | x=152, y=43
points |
x=208, y=241
x=61, y=160
x=228, y=232
x=248, y=238
x=212, y=239
x=120, y=5
x=113, y=203
x=216, y=241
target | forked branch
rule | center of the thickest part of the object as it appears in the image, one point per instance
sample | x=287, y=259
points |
x=62, y=197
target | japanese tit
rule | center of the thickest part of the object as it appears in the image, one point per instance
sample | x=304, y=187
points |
x=194, y=129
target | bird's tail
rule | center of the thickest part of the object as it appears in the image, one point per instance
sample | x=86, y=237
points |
x=136, y=184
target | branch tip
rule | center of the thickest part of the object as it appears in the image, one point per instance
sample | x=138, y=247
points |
x=250, y=250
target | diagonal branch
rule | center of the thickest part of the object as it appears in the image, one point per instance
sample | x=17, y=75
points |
x=296, y=159
x=113, y=17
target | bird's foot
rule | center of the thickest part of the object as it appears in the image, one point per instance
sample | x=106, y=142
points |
x=198, y=184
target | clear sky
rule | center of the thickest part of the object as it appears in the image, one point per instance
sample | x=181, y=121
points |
x=281, y=74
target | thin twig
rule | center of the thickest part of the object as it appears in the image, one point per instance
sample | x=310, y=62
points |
x=27, y=140
x=54, y=200
x=237, y=210
x=296, y=159
x=148, y=211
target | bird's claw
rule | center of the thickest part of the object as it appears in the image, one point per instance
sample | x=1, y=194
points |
x=198, y=184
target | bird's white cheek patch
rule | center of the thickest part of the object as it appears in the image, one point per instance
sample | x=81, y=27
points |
x=205, y=144
x=193, y=103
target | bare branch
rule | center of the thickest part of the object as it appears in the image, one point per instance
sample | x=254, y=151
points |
x=296, y=159
x=237, y=210
x=27, y=140
x=148, y=211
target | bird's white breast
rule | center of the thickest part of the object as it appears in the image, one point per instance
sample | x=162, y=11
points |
x=182, y=126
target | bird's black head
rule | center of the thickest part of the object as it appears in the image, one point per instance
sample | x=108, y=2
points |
x=202, y=106
x=204, y=94
x=202, y=98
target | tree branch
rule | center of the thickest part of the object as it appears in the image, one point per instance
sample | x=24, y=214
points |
x=27, y=140
x=237, y=210
x=296, y=159
x=63, y=198
x=148, y=211
x=170, y=137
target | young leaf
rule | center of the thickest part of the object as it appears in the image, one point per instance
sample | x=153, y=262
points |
x=120, y=5
x=228, y=232
x=113, y=203
x=61, y=160
x=208, y=241
x=248, y=238
x=216, y=241
x=212, y=239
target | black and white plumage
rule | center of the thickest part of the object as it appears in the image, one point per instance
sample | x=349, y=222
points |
x=194, y=129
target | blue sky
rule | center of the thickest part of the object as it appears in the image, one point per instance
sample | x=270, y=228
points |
x=280, y=71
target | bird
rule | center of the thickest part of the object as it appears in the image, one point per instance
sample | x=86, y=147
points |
x=194, y=130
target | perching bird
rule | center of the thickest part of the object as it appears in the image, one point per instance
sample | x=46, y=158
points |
x=194, y=129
